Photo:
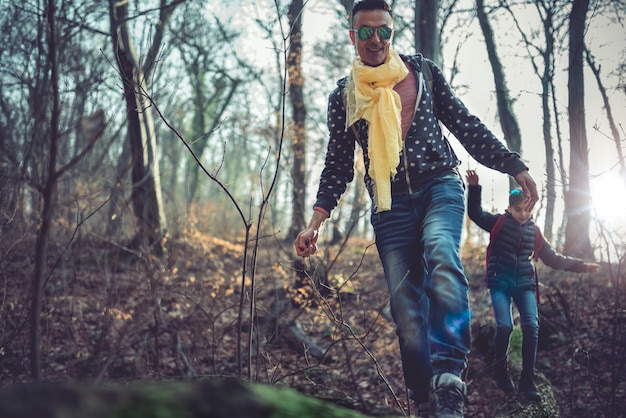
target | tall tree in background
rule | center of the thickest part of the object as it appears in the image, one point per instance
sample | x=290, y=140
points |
x=426, y=34
x=49, y=195
x=508, y=121
x=547, y=11
x=542, y=59
x=298, y=128
x=48, y=105
x=358, y=200
x=213, y=86
x=146, y=179
x=578, y=197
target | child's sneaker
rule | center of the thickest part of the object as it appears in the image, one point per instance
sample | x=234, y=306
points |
x=423, y=410
x=503, y=378
x=447, y=396
x=527, y=387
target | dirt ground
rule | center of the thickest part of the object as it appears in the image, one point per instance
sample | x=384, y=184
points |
x=113, y=316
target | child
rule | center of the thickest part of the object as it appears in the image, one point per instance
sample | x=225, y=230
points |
x=511, y=276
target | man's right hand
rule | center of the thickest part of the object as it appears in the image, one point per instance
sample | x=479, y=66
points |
x=306, y=242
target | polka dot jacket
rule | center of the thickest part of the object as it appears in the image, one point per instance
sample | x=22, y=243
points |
x=426, y=153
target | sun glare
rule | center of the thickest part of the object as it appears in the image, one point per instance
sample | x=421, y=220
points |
x=608, y=194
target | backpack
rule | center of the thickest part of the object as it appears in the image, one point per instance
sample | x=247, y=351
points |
x=495, y=231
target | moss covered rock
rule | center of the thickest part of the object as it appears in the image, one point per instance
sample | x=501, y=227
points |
x=212, y=398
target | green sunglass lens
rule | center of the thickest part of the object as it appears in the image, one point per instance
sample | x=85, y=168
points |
x=384, y=32
x=365, y=33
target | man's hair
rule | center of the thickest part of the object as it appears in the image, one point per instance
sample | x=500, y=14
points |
x=370, y=5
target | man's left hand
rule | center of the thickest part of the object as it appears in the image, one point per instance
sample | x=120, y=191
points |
x=529, y=188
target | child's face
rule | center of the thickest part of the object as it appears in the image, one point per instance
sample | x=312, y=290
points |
x=520, y=213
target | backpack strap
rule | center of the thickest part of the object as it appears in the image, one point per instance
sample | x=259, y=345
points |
x=538, y=245
x=428, y=74
x=497, y=227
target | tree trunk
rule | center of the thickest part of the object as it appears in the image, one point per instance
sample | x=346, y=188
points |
x=508, y=122
x=577, y=198
x=546, y=82
x=296, y=83
x=49, y=194
x=146, y=182
x=425, y=26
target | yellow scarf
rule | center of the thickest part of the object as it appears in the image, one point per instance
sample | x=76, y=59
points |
x=370, y=96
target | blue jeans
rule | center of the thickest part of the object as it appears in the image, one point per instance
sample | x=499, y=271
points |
x=526, y=303
x=418, y=243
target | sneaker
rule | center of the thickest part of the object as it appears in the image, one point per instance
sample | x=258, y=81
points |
x=503, y=378
x=527, y=387
x=447, y=396
x=421, y=403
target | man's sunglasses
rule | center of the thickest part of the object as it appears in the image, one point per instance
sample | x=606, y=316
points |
x=366, y=32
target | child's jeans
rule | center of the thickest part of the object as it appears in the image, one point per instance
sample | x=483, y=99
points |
x=526, y=303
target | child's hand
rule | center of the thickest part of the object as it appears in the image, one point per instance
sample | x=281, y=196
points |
x=472, y=178
x=590, y=267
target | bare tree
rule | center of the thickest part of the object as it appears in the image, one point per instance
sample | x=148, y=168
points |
x=578, y=197
x=48, y=194
x=146, y=182
x=298, y=128
x=548, y=11
x=213, y=85
x=508, y=121
x=426, y=34
x=51, y=174
x=609, y=115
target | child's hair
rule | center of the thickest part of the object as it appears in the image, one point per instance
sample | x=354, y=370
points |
x=516, y=196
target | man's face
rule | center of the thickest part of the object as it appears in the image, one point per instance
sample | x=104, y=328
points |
x=373, y=51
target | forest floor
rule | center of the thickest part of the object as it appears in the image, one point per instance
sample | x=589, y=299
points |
x=110, y=316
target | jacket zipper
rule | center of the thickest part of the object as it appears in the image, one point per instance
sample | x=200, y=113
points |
x=519, y=245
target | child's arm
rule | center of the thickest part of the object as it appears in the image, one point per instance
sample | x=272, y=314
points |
x=472, y=178
x=483, y=219
x=590, y=267
x=561, y=262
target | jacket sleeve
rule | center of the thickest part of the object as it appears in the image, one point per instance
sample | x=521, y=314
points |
x=483, y=219
x=471, y=132
x=339, y=163
x=558, y=261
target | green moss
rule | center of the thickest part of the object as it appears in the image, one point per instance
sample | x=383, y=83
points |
x=288, y=403
x=153, y=401
x=515, y=345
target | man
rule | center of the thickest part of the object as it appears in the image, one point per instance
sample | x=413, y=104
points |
x=387, y=106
